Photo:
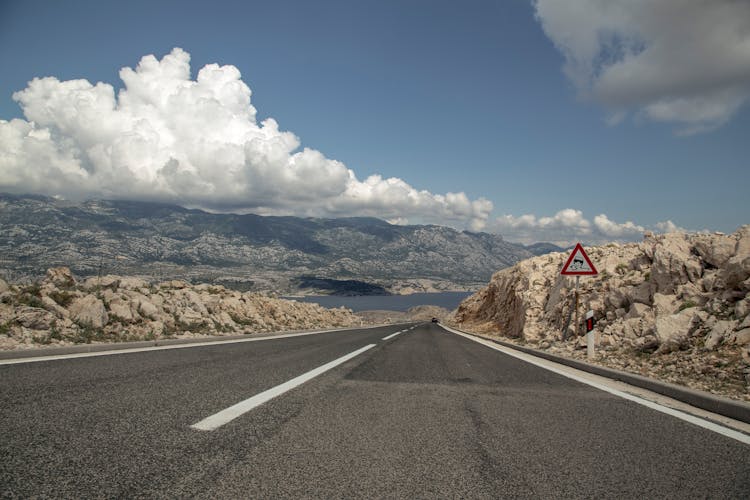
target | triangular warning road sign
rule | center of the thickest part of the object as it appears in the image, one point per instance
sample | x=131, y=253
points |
x=579, y=264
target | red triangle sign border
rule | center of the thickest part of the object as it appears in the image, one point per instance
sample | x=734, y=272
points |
x=567, y=272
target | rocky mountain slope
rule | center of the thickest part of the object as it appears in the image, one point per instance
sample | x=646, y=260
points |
x=260, y=253
x=60, y=310
x=674, y=306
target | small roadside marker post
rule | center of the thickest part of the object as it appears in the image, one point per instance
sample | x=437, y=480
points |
x=578, y=264
x=590, y=334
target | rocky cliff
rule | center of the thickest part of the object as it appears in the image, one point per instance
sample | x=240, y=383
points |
x=674, y=306
x=61, y=310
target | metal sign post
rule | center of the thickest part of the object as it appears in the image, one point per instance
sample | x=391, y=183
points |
x=578, y=279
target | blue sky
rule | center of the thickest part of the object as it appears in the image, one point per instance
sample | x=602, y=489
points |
x=478, y=97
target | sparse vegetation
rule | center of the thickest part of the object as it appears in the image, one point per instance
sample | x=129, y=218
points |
x=687, y=305
x=63, y=298
x=87, y=334
x=240, y=320
x=5, y=328
x=31, y=296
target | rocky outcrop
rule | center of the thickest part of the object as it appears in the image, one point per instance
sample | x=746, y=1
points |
x=673, y=295
x=61, y=310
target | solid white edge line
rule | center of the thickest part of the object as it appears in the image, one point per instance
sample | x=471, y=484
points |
x=724, y=431
x=227, y=415
x=167, y=347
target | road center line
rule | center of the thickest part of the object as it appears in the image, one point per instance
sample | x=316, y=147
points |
x=719, y=429
x=227, y=415
x=392, y=335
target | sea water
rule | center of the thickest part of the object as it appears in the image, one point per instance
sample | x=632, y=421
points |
x=447, y=300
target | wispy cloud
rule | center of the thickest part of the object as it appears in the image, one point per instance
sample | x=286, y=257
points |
x=195, y=142
x=685, y=62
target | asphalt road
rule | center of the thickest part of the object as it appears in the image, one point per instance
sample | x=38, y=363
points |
x=425, y=414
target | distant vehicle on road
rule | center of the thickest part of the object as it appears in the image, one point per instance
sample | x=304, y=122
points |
x=435, y=320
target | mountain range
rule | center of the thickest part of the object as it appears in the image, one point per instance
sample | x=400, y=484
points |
x=283, y=254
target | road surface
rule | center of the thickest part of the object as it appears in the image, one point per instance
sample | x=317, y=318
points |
x=422, y=414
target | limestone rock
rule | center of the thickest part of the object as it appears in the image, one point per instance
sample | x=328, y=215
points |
x=674, y=264
x=741, y=337
x=641, y=293
x=54, y=307
x=100, y=282
x=742, y=308
x=176, y=284
x=637, y=310
x=121, y=309
x=61, y=277
x=89, y=310
x=737, y=269
x=131, y=283
x=35, y=318
x=672, y=330
x=715, y=250
x=665, y=304
x=719, y=330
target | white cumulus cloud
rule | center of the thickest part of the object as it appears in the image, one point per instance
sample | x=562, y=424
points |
x=569, y=226
x=685, y=62
x=167, y=137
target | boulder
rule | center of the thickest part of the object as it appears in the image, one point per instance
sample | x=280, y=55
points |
x=617, y=298
x=640, y=293
x=60, y=277
x=147, y=309
x=35, y=318
x=716, y=335
x=672, y=330
x=99, y=282
x=3, y=286
x=737, y=269
x=741, y=337
x=130, y=283
x=674, y=264
x=742, y=308
x=121, y=309
x=637, y=310
x=54, y=307
x=89, y=310
x=192, y=300
x=715, y=249
x=665, y=304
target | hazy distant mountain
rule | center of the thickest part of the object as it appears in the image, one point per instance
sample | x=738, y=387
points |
x=166, y=241
x=543, y=248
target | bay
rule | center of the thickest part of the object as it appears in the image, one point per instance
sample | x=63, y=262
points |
x=447, y=300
